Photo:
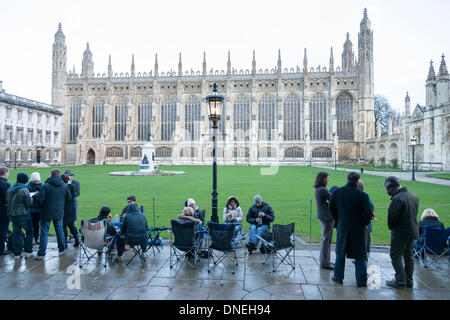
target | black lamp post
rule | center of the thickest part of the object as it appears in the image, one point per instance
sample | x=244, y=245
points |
x=413, y=144
x=215, y=103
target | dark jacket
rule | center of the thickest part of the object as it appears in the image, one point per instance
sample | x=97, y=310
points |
x=110, y=230
x=52, y=198
x=76, y=192
x=70, y=207
x=19, y=200
x=35, y=207
x=134, y=225
x=124, y=212
x=350, y=206
x=402, y=215
x=322, y=198
x=4, y=186
x=253, y=211
x=430, y=222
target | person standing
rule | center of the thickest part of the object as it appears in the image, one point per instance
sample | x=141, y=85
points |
x=52, y=198
x=76, y=193
x=369, y=226
x=4, y=219
x=19, y=202
x=259, y=215
x=402, y=221
x=34, y=186
x=326, y=219
x=351, y=207
x=70, y=213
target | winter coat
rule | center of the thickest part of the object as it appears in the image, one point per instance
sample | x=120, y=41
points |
x=253, y=211
x=238, y=216
x=110, y=230
x=76, y=192
x=322, y=198
x=19, y=200
x=70, y=207
x=402, y=215
x=351, y=207
x=4, y=186
x=124, y=212
x=430, y=222
x=134, y=225
x=35, y=207
x=52, y=198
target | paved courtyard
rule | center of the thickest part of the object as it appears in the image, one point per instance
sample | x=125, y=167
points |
x=48, y=279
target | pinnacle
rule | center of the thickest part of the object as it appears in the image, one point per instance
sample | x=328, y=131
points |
x=443, y=67
x=431, y=74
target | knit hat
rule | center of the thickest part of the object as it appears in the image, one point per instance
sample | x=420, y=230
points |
x=22, y=178
x=257, y=198
x=35, y=176
x=190, y=201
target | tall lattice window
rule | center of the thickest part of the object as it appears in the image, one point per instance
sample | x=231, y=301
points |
x=292, y=118
x=120, y=117
x=318, y=114
x=344, y=115
x=241, y=118
x=267, y=118
x=192, y=118
x=74, y=119
x=163, y=152
x=168, y=118
x=98, y=115
x=144, y=118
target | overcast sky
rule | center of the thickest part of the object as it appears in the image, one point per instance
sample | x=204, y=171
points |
x=407, y=35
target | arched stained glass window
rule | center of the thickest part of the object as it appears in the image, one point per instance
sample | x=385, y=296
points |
x=114, y=152
x=74, y=119
x=168, y=118
x=322, y=152
x=98, y=114
x=241, y=152
x=293, y=152
x=267, y=118
x=163, y=152
x=292, y=118
x=344, y=115
x=144, y=118
x=318, y=115
x=192, y=117
x=241, y=118
x=120, y=117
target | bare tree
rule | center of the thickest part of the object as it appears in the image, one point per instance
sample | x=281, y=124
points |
x=383, y=112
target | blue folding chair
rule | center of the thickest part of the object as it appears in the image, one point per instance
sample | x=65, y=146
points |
x=434, y=241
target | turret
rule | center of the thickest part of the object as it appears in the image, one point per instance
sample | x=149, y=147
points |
x=204, y=64
x=254, y=63
x=407, y=106
x=133, y=68
x=229, y=64
x=87, y=66
x=331, y=60
x=279, y=62
x=156, y=65
x=348, y=56
x=305, y=62
x=443, y=84
x=180, y=66
x=59, y=68
x=110, y=70
x=430, y=87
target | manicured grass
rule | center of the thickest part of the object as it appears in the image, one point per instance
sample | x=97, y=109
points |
x=445, y=176
x=372, y=168
x=289, y=191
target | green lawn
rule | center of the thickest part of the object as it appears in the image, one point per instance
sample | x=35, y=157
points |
x=372, y=168
x=289, y=192
x=445, y=176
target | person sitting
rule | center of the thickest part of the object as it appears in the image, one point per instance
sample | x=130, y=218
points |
x=188, y=214
x=260, y=215
x=232, y=213
x=429, y=218
x=130, y=200
x=105, y=214
x=198, y=214
x=134, y=230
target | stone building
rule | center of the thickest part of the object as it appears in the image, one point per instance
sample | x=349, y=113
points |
x=30, y=131
x=429, y=124
x=271, y=115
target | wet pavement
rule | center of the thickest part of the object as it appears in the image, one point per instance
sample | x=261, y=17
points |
x=56, y=278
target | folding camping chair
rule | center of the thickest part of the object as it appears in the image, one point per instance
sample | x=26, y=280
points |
x=139, y=251
x=184, y=245
x=283, y=239
x=221, y=238
x=155, y=241
x=435, y=241
x=93, y=240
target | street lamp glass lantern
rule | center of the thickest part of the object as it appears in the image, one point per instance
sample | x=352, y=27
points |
x=413, y=141
x=215, y=104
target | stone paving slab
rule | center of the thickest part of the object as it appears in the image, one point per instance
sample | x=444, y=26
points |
x=29, y=279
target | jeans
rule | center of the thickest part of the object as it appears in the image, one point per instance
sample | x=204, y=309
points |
x=73, y=230
x=132, y=242
x=4, y=224
x=45, y=226
x=236, y=230
x=402, y=252
x=201, y=235
x=360, y=270
x=325, y=242
x=35, y=218
x=19, y=223
x=257, y=229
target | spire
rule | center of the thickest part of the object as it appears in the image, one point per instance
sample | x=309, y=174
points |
x=110, y=70
x=431, y=74
x=443, y=68
x=156, y=65
x=279, y=62
x=254, y=63
x=407, y=106
x=87, y=64
x=331, y=60
x=229, y=63
x=407, y=96
x=180, y=66
x=59, y=35
x=348, y=56
x=305, y=62
x=365, y=22
x=204, y=64
x=133, y=69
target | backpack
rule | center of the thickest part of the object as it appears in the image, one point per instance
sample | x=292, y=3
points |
x=266, y=235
